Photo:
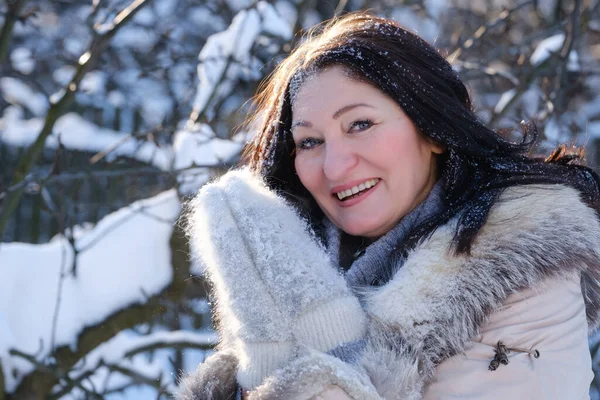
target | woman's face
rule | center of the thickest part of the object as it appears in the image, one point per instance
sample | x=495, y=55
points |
x=358, y=154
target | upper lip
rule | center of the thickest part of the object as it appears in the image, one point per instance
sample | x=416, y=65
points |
x=335, y=190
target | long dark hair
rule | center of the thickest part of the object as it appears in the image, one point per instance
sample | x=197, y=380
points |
x=478, y=163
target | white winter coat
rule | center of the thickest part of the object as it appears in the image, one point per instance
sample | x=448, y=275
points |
x=531, y=281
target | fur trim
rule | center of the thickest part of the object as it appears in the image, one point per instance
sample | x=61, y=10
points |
x=310, y=375
x=437, y=301
x=392, y=364
x=214, y=379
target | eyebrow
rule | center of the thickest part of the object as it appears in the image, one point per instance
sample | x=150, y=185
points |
x=336, y=114
x=348, y=108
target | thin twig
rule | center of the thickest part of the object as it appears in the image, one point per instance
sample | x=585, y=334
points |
x=137, y=376
x=10, y=18
x=61, y=279
x=571, y=34
x=102, y=154
x=35, y=182
x=483, y=29
x=340, y=7
x=57, y=108
x=183, y=344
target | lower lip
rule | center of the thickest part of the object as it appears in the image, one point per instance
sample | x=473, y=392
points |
x=359, y=198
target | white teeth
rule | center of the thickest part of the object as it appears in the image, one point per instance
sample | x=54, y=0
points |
x=353, y=190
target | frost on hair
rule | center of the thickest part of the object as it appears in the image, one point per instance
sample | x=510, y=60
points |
x=298, y=80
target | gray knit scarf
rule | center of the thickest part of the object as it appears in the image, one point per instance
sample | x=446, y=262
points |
x=373, y=262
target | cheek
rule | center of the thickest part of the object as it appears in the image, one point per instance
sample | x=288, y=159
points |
x=307, y=170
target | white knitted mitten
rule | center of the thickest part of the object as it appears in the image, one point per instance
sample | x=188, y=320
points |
x=275, y=285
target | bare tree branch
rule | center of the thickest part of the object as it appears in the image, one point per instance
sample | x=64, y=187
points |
x=86, y=62
x=183, y=344
x=483, y=29
x=34, y=183
x=140, y=378
x=40, y=382
x=14, y=8
x=61, y=279
x=571, y=34
x=340, y=7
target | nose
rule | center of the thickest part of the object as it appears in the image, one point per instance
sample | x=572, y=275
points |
x=340, y=159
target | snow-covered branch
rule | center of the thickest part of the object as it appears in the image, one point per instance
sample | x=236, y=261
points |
x=61, y=102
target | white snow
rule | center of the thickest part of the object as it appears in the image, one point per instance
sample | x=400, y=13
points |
x=124, y=259
x=195, y=146
x=226, y=54
x=145, y=17
x=573, y=61
x=233, y=42
x=22, y=60
x=75, y=132
x=546, y=47
x=116, y=352
x=151, y=96
x=116, y=349
x=427, y=28
x=530, y=100
x=198, y=146
x=504, y=100
x=115, y=98
x=135, y=37
x=201, y=147
x=593, y=130
x=436, y=8
x=272, y=21
x=202, y=16
x=237, y=5
x=93, y=82
x=552, y=130
x=287, y=11
x=17, y=92
x=551, y=45
x=164, y=8
x=74, y=46
x=64, y=74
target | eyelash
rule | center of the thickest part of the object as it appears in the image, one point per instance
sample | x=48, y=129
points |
x=302, y=145
x=368, y=122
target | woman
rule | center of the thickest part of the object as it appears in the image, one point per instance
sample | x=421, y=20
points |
x=385, y=244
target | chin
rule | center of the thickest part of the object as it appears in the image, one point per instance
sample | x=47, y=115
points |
x=361, y=229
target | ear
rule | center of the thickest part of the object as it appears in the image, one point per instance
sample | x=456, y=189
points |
x=436, y=148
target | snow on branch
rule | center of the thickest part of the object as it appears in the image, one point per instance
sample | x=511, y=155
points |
x=122, y=354
x=226, y=56
x=11, y=17
x=60, y=103
x=110, y=277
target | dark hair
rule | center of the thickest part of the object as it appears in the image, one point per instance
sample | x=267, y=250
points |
x=478, y=163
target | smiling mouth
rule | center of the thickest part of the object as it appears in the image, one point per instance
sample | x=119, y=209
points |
x=356, y=191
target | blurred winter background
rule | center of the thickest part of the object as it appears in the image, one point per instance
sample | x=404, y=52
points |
x=112, y=112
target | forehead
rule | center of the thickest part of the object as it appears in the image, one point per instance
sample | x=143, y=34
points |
x=331, y=87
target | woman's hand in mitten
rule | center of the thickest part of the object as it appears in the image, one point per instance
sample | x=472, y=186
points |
x=274, y=282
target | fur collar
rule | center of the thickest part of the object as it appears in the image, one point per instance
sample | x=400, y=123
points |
x=437, y=301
